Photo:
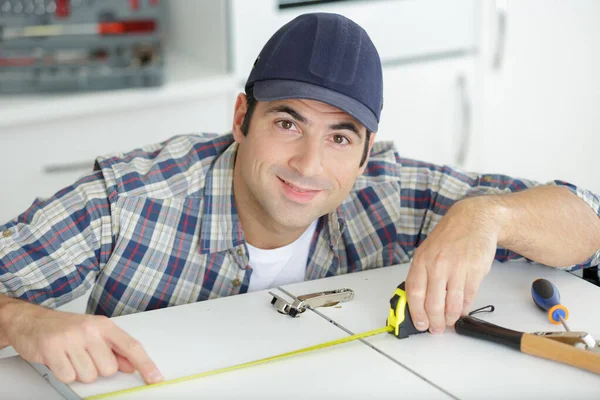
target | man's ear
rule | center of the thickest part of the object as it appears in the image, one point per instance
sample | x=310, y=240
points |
x=361, y=170
x=241, y=107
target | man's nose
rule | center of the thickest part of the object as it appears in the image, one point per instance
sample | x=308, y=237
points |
x=308, y=158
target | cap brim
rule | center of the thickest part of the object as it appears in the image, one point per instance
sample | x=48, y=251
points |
x=271, y=90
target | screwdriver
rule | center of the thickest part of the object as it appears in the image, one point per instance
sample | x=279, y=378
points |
x=546, y=296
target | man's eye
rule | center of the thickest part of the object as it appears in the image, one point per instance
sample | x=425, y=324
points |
x=340, y=139
x=287, y=125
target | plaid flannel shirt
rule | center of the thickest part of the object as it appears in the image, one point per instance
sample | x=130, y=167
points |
x=158, y=226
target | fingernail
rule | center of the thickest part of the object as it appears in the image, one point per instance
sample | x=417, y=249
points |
x=155, y=377
x=420, y=324
x=437, y=331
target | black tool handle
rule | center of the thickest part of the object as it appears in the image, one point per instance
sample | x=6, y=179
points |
x=474, y=327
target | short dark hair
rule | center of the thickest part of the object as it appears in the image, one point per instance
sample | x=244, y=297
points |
x=251, y=105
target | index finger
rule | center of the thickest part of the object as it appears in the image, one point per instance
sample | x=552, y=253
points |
x=435, y=301
x=472, y=284
x=134, y=352
x=416, y=287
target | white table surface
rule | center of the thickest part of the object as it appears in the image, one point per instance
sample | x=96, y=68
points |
x=199, y=337
x=19, y=381
x=469, y=368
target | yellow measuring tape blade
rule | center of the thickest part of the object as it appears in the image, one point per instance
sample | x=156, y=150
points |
x=244, y=365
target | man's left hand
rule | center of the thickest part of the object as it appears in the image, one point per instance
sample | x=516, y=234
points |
x=449, y=265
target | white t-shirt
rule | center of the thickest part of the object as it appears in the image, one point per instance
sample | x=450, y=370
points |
x=280, y=266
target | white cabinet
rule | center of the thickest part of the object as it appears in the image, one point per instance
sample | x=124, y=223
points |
x=538, y=111
x=427, y=110
x=401, y=30
x=38, y=159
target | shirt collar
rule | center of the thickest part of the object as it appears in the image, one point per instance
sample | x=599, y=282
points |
x=335, y=226
x=221, y=229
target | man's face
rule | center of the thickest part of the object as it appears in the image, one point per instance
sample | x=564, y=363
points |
x=298, y=161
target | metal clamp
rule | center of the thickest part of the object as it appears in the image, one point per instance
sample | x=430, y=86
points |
x=313, y=300
x=580, y=340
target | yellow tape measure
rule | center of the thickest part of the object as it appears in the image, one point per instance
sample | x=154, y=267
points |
x=388, y=328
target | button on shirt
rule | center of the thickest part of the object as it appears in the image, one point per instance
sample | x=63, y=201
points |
x=158, y=226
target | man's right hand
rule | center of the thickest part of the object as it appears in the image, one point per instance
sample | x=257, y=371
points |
x=75, y=347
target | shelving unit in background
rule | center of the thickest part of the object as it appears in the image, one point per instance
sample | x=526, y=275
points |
x=196, y=67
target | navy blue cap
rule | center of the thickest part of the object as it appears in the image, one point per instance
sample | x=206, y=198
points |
x=324, y=57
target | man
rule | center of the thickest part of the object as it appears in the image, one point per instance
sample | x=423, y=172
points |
x=299, y=190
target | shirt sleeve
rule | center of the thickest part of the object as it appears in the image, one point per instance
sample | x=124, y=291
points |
x=52, y=252
x=428, y=191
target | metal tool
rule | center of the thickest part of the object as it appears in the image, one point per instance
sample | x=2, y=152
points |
x=546, y=296
x=327, y=298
